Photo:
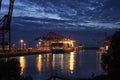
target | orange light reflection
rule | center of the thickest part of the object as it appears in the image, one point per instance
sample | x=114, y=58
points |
x=53, y=64
x=39, y=63
x=22, y=64
x=71, y=62
x=61, y=61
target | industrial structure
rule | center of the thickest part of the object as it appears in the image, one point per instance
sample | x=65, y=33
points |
x=104, y=43
x=55, y=42
x=5, y=28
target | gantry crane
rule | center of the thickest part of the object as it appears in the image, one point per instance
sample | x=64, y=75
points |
x=5, y=28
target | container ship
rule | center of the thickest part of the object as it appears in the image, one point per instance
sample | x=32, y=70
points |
x=55, y=43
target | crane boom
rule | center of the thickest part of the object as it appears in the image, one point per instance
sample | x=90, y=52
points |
x=0, y=3
x=5, y=27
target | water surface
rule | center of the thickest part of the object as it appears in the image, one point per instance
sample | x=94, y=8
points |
x=74, y=65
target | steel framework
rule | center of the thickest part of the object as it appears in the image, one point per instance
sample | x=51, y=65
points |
x=5, y=28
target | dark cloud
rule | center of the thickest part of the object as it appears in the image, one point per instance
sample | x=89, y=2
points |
x=32, y=18
x=66, y=14
x=115, y=4
x=63, y=12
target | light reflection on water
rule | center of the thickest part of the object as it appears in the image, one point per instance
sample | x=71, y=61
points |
x=71, y=62
x=22, y=64
x=75, y=65
x=39, y=62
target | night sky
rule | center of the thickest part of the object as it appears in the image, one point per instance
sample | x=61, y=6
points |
x=85, y=20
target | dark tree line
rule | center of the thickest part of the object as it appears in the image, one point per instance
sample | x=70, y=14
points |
x=111, y=60
x=10, y=70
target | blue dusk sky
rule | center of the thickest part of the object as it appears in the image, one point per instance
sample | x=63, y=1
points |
x=85, y=20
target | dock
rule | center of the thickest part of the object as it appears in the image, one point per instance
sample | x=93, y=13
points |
x=25, y=53
x=56, y=77
x=14, y=54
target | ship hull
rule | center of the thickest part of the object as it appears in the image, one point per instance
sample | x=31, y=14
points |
x=63, y=50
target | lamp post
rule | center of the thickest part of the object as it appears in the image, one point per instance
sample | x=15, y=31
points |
x=25, y=45
x=39, y=43
x=13, y=45
x=37, y=46
x=21, y=43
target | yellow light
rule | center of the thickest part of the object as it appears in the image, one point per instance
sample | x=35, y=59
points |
x=71, y=42
x=53, y=64
x=71, y=62
x=47, y=60
x=39, y=63
x=22, y=64
x=106, y=47
x=21, y=41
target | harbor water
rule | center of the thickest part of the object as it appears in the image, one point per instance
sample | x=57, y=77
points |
x=73, y=65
